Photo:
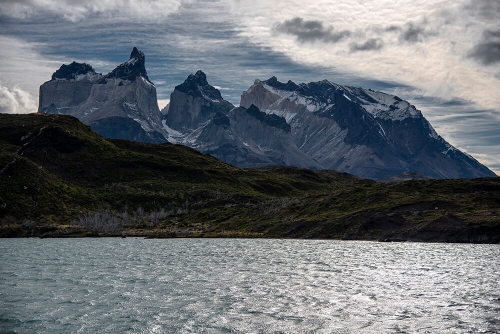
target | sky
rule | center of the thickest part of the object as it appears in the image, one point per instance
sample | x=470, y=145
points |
x=443, y=56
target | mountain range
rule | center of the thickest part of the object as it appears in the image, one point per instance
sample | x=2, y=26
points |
x=318, y=125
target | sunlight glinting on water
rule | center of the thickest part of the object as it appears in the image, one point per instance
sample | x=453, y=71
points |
x=246, y=286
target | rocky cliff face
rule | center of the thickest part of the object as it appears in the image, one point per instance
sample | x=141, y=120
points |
x=122, y=104
x=199, y=117
x=194, y=103
x=359, y=131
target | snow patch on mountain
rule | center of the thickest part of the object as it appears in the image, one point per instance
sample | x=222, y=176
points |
x=131, y=106
x=286, y=114
x=80, y=77
x=312, y=104
x=147, y=82
x=283, y=93
x=143, y=124
x=206, y=97
x=379, y=105
x=131, y=61
x=188, y=138
x=174, y=136
x=449, y=148
x=433, y=133
x=384, y=106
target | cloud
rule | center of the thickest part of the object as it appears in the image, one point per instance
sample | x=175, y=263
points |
x=72, y=10
x=16, y=101
x=8, y=102
x=23, y=69
x=410, y=32
x=486, y=9
x=492, y=34
x=162, y=103
x=393, y=28
x=413, y=33
x=310, y=31
x=369, y=45
x=487, y=51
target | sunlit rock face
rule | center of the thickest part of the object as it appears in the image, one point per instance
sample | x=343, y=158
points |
x=199, y=117
x=122, y=104
x=361, y=131
x=194, y=103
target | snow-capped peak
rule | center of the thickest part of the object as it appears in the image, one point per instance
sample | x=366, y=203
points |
x=320, y=96
x=384, y=106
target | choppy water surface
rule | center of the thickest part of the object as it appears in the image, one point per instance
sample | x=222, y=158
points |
x=246, y=286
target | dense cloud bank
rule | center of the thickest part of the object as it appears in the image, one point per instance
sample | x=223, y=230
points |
x=16, y=101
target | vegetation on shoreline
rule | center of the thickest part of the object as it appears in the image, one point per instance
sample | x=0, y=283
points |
x=60, y=179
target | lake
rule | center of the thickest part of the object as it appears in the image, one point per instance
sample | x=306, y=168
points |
x=133, y=285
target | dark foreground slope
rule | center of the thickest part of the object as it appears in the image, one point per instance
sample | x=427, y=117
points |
x=58, y=178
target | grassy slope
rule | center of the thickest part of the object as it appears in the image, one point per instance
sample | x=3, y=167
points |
x=58, y=178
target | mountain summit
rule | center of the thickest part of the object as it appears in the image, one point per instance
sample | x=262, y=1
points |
x=360, y=131
x=197, y=85
x=131, y=69
x=121, y=104
x=73, y=71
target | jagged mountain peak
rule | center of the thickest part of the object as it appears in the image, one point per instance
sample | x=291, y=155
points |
x=197, y=85
x=253, y=109
x=137, y=54
x=275, y=83
x=131, y=69
x=194, y=103
x=200, y=78
x=321, y=96
x=272, y=80
x=73, y=71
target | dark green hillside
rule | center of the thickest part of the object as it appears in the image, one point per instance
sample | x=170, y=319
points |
x=58, y=178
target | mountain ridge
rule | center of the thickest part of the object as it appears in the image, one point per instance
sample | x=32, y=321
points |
x=199, y=117
x=389, y=132
x=317, y=125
